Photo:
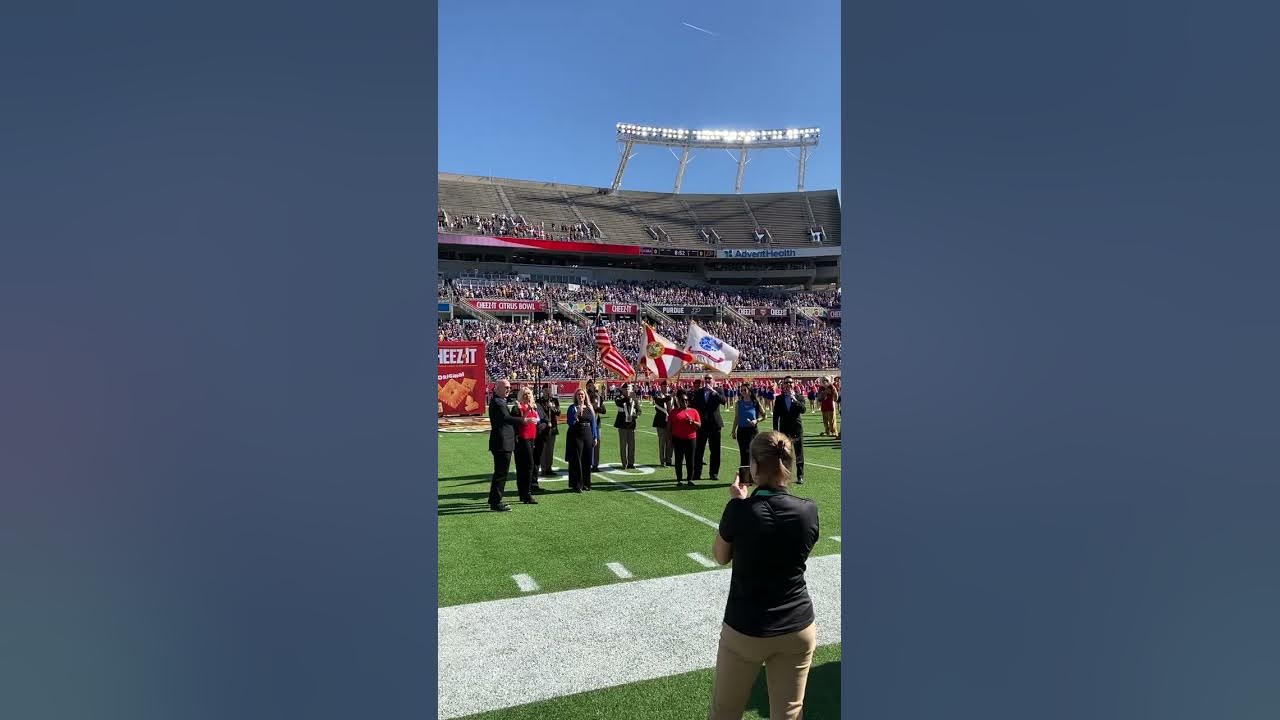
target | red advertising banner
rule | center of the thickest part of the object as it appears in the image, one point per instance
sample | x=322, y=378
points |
x=598, y=248
x=462, y=378
x=763, y=312
x=557, y=246
x=570, y=387
x=620, y=309
x=507, y=305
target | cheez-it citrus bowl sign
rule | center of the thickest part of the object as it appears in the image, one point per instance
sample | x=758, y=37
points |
x=507, y=305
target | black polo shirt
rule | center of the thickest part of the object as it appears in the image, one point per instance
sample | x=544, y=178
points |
x=772, y=533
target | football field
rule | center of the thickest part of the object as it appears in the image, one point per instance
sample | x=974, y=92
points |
x=605, y=604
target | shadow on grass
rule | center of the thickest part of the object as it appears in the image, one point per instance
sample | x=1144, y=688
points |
x=484, y=478
x=464, y=509
x=821, y=695
x=454, y=497
x=478, y=502
x=469, y=479
x=664, y=485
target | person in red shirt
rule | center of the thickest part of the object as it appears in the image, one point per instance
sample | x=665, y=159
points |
x=684, y=424
x=524, y=447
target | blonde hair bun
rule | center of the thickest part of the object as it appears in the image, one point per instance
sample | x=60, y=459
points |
x=772, y=453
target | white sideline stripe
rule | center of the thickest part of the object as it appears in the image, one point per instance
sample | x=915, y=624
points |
x=643, y=494
x=702, y=560
x=828, y=467
x=525, y=583
x=653, y=628
x=731, y=447
x=619, y=570
x=836, y=538
x=660, y=501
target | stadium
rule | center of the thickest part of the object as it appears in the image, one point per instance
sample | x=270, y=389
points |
x=622, y=602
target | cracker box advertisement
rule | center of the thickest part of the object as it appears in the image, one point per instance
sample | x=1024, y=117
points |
x=462, y=378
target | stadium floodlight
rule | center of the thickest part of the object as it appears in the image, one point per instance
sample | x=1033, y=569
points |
x=631, y=135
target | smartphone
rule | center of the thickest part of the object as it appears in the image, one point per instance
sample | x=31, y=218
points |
x=744, y=474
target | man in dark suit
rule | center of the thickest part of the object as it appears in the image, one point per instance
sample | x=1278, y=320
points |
x=707, y=400
x=787, y=410
x=503, y=421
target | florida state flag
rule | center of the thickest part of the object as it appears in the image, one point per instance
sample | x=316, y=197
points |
x=662, y=358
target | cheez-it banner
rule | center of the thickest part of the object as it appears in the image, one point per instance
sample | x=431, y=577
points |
x=462, y=384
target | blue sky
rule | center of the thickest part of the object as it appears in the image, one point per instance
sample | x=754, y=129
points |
x=532, y=90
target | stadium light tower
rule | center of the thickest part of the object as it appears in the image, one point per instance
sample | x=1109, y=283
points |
x=729, y=140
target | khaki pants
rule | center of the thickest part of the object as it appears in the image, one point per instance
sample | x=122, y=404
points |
x=627, y=446
x=786, y=659
x=664, y=445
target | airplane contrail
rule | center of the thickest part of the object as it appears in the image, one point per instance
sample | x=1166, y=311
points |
x=701, y=30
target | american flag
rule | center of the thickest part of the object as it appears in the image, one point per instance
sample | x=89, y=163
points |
x=609, y=355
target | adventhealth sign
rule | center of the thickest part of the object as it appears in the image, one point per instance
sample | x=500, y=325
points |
x=778, y=253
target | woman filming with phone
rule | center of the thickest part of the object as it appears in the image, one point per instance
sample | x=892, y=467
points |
x=768, y=619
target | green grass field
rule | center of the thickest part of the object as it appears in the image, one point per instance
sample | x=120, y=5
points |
x=566, y=540
x=635, y=519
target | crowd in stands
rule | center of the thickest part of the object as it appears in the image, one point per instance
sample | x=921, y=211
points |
x=765, y=388
x=772, y=347
x=652, y=292
x=505, y=225
x=547, y=348
x=492, y=291
x=561, y=349
x=674, y=293
x=806, y=298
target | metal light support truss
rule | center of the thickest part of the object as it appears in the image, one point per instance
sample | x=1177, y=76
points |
x=684, y=163
x=804, y=160
x=742, y=141
x=622, y=165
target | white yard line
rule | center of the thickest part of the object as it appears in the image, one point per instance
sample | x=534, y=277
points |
x=836, y=538
x=641, y=493
x=702, y=560
x=525, y=583
x=619, y=569
x=542, y=646
x=735, y=449
x=828, y=467
x=660, y=501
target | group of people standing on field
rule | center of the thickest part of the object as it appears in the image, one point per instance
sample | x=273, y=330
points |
x=521, y=429
x=689, y=425
x=688, y=422
x=764, y=531
x=527, y=429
